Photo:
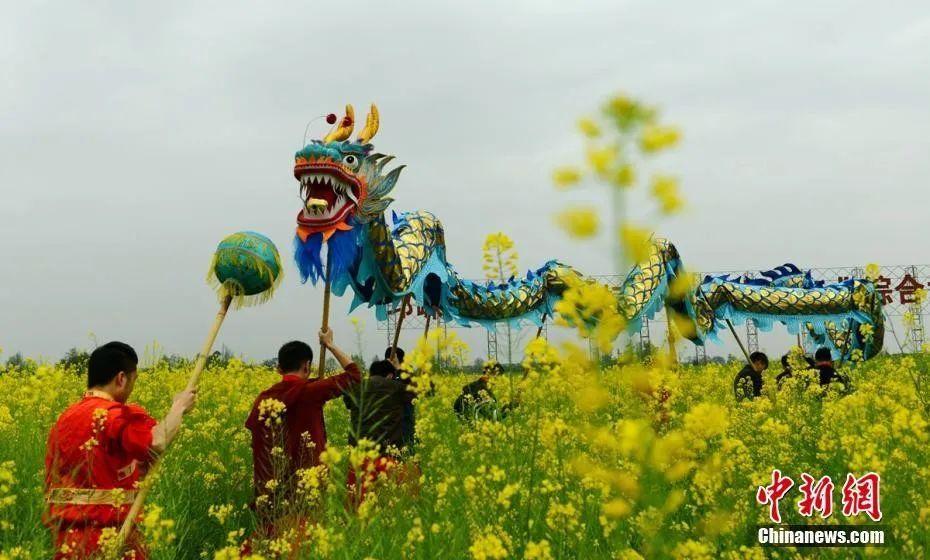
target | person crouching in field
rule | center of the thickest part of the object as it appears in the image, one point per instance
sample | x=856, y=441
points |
x=748, y=382
x=287, y=425
x=823, y=363
x=97, y=451
x=477, y=399
x=377, y=408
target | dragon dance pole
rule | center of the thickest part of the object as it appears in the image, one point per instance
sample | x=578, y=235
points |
x=400, y=321
x=738, y=341
x=248, y=279
x=426, y=328
x=325, y=325
x=670, y=334
x=149, y=481
x=729, y=324
x=541, y=325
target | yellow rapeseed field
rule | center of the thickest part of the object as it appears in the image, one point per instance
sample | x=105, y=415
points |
x=637, y=460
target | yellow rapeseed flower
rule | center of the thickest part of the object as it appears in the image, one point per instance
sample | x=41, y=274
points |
x=665, y=191
x=920, y=295
x=636, y=242
x=655, y=138
x=565, y=177
x=488, y=547
x=617, y=507
x=601, y=159
x=581, y=222
x=624, y=176
x=589, y=128
x=538, y=551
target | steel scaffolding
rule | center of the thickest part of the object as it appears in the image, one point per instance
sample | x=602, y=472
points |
x=752, y=336
x=917, y=328
x=492, y=344
x=700, y=354
x=645, y=341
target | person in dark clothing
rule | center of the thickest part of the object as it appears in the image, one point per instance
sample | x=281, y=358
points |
x=398, y=355
x=376, y=407
x=477, y=399
x=786, y=372
x=823, y=363
x=409, y=422
x=748, y=382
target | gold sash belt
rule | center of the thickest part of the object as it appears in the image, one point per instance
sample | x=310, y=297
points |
x=91, y=496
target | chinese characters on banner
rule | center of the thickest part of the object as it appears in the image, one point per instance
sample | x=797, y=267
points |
x=906, y=288
x=858, y=496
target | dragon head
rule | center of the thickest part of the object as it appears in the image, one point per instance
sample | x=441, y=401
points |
x=341, y=181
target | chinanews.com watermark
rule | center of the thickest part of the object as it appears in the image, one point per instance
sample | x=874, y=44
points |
x=859, y=496
x=821, y=535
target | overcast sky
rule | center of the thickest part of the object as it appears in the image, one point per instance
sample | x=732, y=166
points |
x=133, y=136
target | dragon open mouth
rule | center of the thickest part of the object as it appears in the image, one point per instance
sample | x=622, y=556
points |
x=330, y=195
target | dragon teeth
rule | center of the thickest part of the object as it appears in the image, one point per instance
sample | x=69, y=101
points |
x=341, y=189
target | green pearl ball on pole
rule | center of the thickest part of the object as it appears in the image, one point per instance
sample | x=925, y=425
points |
x=247, y=267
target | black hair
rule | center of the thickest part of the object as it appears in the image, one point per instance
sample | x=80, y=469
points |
x=784, y=361
x=293, y=355
x=759, y=357
x=108, y=360
x=492, y=367
x=399, y=354
x=382, y=368
x=823, y=355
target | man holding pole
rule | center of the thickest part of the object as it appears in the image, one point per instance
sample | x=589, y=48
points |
x=97, y=451
x=287, y=424
x=748, y=382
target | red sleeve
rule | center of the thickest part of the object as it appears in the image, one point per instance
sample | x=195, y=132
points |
x=129, y=428
x=331, y=387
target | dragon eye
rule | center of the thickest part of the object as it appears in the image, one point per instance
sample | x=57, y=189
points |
x=351, y=161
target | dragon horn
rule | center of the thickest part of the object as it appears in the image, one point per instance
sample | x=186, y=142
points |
x=371, y=126
x=344, y=130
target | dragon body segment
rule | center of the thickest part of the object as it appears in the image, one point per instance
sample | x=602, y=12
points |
x=345, y=191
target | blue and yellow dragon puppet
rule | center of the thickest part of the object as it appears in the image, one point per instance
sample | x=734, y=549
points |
x=345, y=188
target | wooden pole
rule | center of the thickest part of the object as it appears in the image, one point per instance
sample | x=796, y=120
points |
x=426, y=329
x=541, y=325
x=738, y=341
x=730, y=325
x=400, y=321
x=325, y=324
x=149, y=480
x=670, y=335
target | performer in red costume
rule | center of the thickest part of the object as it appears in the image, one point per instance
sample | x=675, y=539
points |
x=98, y=450
x=287, y=424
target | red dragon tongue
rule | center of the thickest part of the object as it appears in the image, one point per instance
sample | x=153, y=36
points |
x=323, y=192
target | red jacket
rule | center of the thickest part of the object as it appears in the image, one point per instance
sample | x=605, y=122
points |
x=303, y=400
x=97, y=445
